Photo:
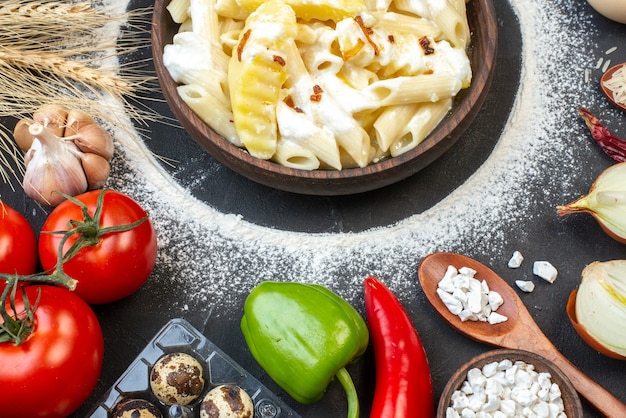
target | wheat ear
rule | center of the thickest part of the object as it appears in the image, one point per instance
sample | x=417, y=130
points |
x=47, y=63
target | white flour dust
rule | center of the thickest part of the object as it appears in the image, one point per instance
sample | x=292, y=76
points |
x=214, y=257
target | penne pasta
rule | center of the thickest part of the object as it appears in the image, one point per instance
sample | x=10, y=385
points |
x=453, y=24
x=421, y=124
x=179, y=10
x=204, y=20
x=416, y=89
x=403, y=23
x=294, y=155
x=212, y=110
x=316, y=10
x=231, y=9
x=204, y=64
x=391, y=123
x=297, y=128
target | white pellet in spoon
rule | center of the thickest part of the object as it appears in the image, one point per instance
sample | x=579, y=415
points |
x=469, y=298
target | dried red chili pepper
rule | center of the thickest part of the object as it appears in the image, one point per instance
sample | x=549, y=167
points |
x=613, y=146
x=403, y=381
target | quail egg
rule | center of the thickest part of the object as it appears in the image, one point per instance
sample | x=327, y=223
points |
x=177, y=378
x=136, y=408
x=227, y=401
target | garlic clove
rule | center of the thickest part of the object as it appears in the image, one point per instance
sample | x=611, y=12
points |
x=53, y=117
x=52, y=165
x=597, y=309
x=88, y=135
x=97, y=170
x=76, y=119
x=94, y=139
x=22, y=137
x=606, y=202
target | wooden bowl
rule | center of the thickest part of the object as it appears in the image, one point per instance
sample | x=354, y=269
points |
x=571, y=401
x=608, y=92
x=482, y=52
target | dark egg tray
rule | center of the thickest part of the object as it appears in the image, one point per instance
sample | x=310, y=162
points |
x=178, y=335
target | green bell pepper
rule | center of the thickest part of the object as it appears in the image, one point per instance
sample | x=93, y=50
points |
x=303, y=335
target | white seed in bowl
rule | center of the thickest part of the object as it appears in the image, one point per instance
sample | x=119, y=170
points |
x=506, y=389
x=469, y=298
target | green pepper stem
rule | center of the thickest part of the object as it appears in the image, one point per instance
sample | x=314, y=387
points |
x=348, y=386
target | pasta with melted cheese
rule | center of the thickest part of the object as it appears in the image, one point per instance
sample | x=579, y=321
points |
x=320, y=84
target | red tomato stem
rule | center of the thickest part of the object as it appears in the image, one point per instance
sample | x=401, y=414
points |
x=16, y=326
x=89, y=230
x=103, y=239
x=403, y=381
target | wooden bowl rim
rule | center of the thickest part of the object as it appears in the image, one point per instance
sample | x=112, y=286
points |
x=350, y=180
x=571, y=400
x=608, y=92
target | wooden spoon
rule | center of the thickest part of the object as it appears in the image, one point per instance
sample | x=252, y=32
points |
x=608, y=92
x=520, y=331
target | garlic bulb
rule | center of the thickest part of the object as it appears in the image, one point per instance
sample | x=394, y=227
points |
x=598, y=308
x=66, y=152
x=606, y=201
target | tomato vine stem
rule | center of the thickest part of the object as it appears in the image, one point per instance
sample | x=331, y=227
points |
x=15, y=326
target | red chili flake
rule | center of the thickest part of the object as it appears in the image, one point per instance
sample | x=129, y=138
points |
x=612, y=145
x=425, y=44
x=280, y=60
x=368, y=32
x=391, y=39
x=317, y=93
x=242, y=43
x=289, y=102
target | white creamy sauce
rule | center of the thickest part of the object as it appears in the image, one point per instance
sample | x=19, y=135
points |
x=189, y=51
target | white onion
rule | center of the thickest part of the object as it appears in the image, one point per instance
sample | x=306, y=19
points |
x=601, y=304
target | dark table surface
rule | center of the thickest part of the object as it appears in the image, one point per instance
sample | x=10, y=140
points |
x=326, y=239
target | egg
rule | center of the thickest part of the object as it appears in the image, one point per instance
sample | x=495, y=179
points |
x=177, y=378
x=227, y=401
x=612, y=9
x=136, y=408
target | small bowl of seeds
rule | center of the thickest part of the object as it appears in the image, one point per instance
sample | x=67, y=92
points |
x=512, y=382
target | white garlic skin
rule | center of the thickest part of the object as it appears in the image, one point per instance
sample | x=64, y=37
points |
x=52, y=166
x=66, y=152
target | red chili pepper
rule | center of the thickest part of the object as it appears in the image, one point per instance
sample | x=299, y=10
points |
x=403, y=383
x=613, y=146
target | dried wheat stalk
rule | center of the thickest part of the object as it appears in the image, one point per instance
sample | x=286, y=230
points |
x=42, y=64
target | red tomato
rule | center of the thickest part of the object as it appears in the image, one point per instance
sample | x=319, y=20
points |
x=119, y=263
x=53, y=372
x=18, y=245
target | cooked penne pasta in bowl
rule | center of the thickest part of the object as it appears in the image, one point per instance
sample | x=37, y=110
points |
x=324, y=96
